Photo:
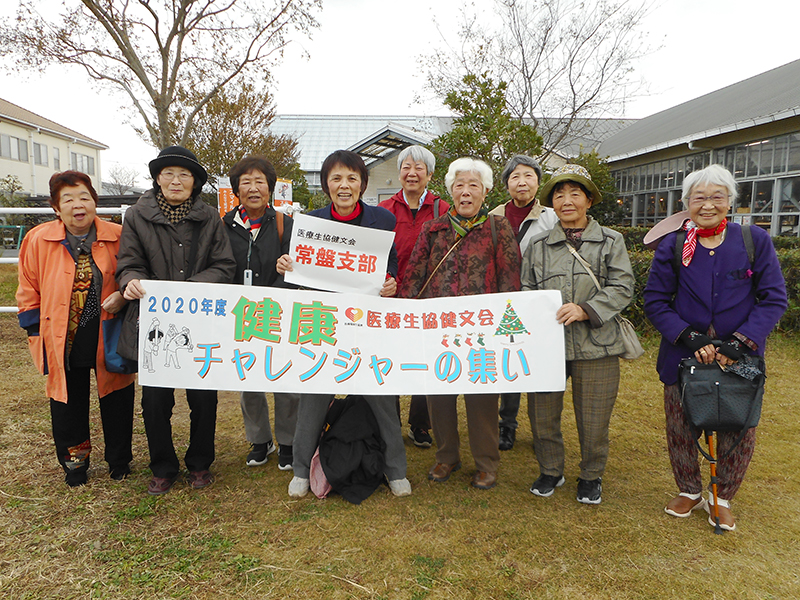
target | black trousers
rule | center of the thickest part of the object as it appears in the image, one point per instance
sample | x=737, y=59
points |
x=157, y=405
x=418, y=417
x=71, y=426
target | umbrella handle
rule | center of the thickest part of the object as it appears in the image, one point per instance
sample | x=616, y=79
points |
x=713, y=466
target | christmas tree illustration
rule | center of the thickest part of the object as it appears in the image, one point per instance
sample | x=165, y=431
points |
x=510, y=324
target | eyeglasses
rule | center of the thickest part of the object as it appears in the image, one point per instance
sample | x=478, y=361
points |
x=716, y=199
x=169, y=176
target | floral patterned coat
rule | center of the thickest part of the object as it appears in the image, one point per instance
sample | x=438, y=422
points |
x=476, y=266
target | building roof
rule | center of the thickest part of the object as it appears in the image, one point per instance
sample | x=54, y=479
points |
x=378, y=137
x=16, y=114
x=770, y=96
x=319, y=135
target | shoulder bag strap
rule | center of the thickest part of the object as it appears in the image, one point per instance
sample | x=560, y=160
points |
x=523, y=230
x=436, y=268
x=585, y=265
x=279, y=225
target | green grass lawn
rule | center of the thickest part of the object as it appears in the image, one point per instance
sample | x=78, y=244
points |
x=245, y=538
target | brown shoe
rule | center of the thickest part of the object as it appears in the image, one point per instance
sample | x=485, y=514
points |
x=483, y=480
x=200, y=479
x=440, y=472
x=726, y=520
x=682, y=506
x=160, y=485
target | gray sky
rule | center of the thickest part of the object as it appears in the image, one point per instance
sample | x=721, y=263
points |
x=363, y=60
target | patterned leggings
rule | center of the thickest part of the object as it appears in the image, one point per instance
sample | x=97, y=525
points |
x=683, y=453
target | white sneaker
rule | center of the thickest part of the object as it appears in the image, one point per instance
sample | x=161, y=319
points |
x=400, y=487
x=298, y=487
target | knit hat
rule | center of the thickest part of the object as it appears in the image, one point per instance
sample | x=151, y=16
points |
x=569, y=172
x=178, y=156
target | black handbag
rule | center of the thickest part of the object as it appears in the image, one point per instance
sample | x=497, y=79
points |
x=714, y=399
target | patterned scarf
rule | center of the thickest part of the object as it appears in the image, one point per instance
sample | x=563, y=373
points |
x=692, y=232
x=252, y=224
x=83, y=306
x=173, y=214
x=574, y=235
x=463, y=225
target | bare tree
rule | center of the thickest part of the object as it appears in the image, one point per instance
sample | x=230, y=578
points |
x=121, y=180
x=563, y=60
x=154, y=50
x=236, y=123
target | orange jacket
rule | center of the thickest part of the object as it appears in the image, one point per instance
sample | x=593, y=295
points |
x=46, y=275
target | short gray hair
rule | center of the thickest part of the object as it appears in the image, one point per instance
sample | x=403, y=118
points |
x=517, y=160
x=469, y=165
x=417, y=154
x=711, y=175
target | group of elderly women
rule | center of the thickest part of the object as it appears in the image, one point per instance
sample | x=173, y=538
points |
x=79, y=271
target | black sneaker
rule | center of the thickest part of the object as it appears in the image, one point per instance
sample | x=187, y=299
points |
x=508, y=436
x=285, y=458
x=546, y=485
x=120, y=473
x=589, y=491
x=420, y=437
x=259, y=454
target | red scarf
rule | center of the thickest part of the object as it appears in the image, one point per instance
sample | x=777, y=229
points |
x=692, y=232
x=352, y=216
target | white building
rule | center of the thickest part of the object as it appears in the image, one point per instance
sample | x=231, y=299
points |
x=33, y=148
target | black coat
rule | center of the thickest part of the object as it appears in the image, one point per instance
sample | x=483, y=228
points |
x=264, y=251
x=351, y=449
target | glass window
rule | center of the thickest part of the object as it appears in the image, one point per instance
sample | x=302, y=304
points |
x=661, y=205
x=752, y=159
x=39, y=154
x=680, y=173
x=739, y=162
x=673, y=167
x=781, y=150
x=729, y=154
x=765, y=162
x=90, y=165
x=5, y=146
x=790, y=195
x=56, y=159
x=788, y=225
x=794, y=152
x=762, y=196
x=743, y=202
x=642, y=171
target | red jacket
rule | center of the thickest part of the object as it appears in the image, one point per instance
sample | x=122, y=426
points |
x=408, y=226
x=46, y=274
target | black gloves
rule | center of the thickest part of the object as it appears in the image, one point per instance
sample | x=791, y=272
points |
x=694, y=340
x=733, y=349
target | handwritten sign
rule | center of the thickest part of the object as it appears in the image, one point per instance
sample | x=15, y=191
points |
x=232, y=337
x=328, y=255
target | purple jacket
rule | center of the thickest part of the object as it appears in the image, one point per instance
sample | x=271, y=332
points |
x=719, y=288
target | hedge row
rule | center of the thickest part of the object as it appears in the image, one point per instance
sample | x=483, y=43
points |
x=787, y=249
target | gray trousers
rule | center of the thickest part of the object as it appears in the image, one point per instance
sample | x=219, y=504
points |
x=255, y=412
x=595, y=384
x=311, y=417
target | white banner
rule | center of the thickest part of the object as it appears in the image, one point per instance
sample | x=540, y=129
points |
x=328, y=255
x=233, y=337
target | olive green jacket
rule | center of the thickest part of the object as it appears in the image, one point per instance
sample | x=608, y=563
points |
x=549, y=265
